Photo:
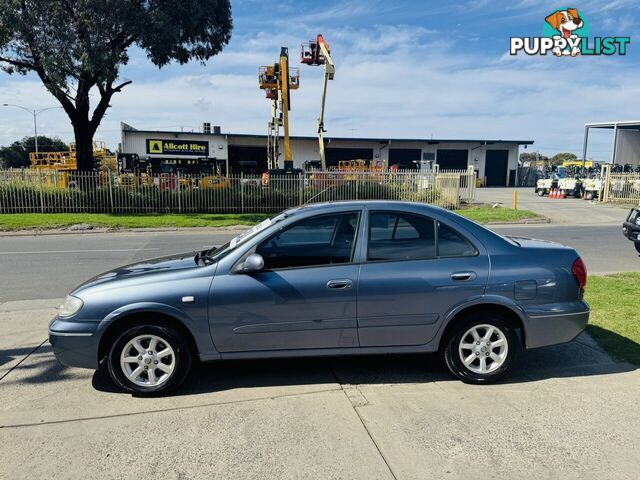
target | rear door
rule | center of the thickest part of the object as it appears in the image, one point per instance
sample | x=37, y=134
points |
x=415, y=269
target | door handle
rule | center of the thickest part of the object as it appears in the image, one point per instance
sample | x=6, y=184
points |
x=339, y=284
x=461, y=276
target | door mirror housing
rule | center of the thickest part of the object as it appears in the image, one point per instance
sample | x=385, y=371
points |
x=252, y=264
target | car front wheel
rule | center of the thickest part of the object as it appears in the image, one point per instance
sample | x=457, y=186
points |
x=481, y=350
x=149, y=360
x=637, y=244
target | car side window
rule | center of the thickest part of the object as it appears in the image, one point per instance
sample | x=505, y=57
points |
x=400, y=236
x=321, y=240
x=452, y=244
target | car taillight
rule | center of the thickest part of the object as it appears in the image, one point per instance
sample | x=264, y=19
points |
x=579, y=271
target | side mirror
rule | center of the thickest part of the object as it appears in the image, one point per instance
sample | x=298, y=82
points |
x=253, y=263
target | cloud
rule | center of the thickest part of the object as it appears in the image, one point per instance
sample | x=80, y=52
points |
x=391, y=81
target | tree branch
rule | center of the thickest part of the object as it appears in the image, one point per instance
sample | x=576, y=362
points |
x=121, y=86
x=18, y=63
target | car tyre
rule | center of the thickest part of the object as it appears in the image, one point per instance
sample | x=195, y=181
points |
x=637, y=245
x=499, y=355
x=149, y=360
x=540, y=192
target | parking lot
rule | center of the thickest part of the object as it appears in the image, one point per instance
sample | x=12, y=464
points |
x=570, y=410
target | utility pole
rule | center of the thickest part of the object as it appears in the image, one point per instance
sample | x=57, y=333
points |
x=35, y=114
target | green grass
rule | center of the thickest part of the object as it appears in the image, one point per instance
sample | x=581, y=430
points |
x=30, y=221
x=500, y=214
x=615, y=314
x=27, y=221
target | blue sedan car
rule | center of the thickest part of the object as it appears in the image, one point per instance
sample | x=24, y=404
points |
x=345, y=278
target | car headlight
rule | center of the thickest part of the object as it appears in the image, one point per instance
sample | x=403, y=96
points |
x=70, y=307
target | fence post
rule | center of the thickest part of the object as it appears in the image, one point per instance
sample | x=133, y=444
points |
x=178, y=190
x=41, y=185
x=300, y=188
x=109, y=181
x=242, y=192
x=606, y=183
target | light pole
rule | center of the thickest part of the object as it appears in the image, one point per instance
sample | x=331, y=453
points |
x=35, y=114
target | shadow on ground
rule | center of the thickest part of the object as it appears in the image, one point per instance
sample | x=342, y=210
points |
x=39, y=366
x=620, y=347
x=575, y=359
x=582, y=357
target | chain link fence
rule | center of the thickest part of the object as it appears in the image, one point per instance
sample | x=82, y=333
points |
x=30, y=190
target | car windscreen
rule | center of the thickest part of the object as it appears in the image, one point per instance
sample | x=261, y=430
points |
x=215, y=254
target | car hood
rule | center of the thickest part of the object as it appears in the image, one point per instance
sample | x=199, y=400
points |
x=153, y=266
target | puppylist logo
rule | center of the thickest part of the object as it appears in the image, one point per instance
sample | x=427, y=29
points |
x=566, y=33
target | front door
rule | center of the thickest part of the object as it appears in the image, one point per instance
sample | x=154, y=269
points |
x=416, y=269
x=305, y=298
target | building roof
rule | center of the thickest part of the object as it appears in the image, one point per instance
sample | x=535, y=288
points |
x=625, y=124
x=129, y=128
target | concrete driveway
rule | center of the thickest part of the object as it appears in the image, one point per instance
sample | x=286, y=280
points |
x=569, y=412
x=569, y=211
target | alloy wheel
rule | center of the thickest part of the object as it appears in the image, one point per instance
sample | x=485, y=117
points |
x=483, y=348
x=148, y=360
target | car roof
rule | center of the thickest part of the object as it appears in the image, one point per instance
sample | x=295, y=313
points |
x=383, y=204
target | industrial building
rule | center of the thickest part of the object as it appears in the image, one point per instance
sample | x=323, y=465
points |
x=496, y=161
x=625, y=141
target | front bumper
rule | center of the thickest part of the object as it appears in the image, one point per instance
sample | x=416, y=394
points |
x=74, y=343
x=554, y=324
x=631, y=231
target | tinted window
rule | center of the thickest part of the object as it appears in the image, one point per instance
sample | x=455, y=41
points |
x=400, y=236
x=451, y=244
x=323, y=240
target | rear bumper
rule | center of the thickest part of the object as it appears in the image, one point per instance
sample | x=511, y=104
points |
x=553, y=324
x=75, y=344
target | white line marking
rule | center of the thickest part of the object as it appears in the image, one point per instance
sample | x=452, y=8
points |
x=78, y=251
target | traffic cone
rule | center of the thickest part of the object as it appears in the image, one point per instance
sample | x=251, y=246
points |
x=553, y=193
x=563, y=194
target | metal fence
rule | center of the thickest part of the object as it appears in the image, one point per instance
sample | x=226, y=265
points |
x=467, y=191
x=29, y=190
x=620, y=187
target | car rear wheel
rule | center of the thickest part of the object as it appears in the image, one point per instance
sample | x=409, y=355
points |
x=149, y=360
x=637, y=244
x=482, y=349
x=540, y=192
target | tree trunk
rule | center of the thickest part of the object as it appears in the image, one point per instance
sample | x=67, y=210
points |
x=84, y=146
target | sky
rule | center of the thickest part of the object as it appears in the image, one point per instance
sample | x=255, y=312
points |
x=404, y=69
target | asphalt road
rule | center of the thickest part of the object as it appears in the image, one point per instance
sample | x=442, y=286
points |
x=49, y=266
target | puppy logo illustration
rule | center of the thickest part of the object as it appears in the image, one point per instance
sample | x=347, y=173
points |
x=566, y=22
x=566, y=33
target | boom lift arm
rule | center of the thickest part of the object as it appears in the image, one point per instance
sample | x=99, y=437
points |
x=277, y=81
x=318, y=53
